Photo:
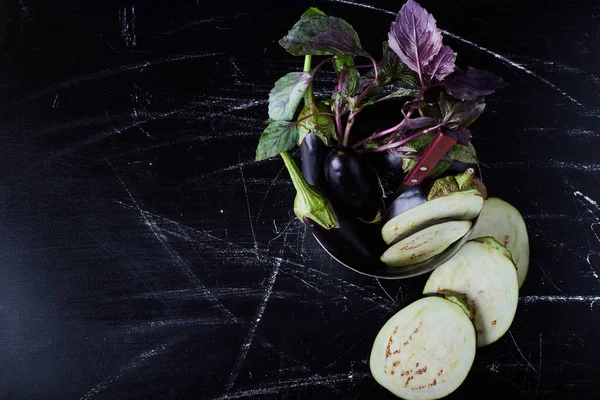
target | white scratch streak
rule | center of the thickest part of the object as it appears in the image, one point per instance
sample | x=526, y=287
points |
x=130, y=366
x=250, y=336
x=519, y=350
x=559, y=299
x=151, y=224
x=249, y=213
x=548, y=164
x=302, y=382
x=385, y=291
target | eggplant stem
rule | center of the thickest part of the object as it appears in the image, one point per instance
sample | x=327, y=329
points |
x=314, y=115
x=297, y=179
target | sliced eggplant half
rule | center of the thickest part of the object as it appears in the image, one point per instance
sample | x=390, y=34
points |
x=425, y=350
x=457, y=206
x=483, y=270
x=505, y=223
x=425, y=244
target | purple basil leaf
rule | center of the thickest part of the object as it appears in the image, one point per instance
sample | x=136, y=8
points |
x=442, y=64
x=461, y=135
x=392, y=74
x=334, y=42
x=467, y=116
x=472, y=83
x=460, y=113
x=414, y=36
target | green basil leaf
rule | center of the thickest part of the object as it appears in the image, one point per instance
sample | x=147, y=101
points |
x=465, y=154
x=318, y=34
x=286, y=95
x=278, y=136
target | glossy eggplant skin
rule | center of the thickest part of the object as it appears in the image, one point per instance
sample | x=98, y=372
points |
x=353, y=184
x=313, y=153
x=389, y=168
x=408, y=199
x=354, y=244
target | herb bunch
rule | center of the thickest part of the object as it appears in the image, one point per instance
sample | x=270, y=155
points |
x=415, y=69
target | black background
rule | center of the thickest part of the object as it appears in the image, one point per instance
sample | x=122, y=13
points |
x=144, y=254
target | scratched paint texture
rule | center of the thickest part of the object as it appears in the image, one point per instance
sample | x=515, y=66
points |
x=144, y=254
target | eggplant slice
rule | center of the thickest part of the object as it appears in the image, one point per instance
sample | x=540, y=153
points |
x=425, y=244
x=505, y=223
x=457, y=206
x=424, y=351
x=483, y=270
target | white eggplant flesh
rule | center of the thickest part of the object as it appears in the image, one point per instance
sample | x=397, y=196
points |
x=425, y=244
x=424, y=351
x=456, y=206
x=483, y=271
x=503, y=222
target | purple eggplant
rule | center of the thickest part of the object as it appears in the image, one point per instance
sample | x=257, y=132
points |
x=406, y=200
x=313, y=153
x=388, y=165
x=357, y=245
x=354, y=185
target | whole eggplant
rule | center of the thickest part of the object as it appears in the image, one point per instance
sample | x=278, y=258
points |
x=405, y=200
x=354, y=185
x=354, y=244
x=388, y=165
x=313, y=153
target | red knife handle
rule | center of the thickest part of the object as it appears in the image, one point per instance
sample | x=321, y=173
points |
x=433, y=153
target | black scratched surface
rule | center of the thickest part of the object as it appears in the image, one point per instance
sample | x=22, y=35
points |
x=145, y=255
